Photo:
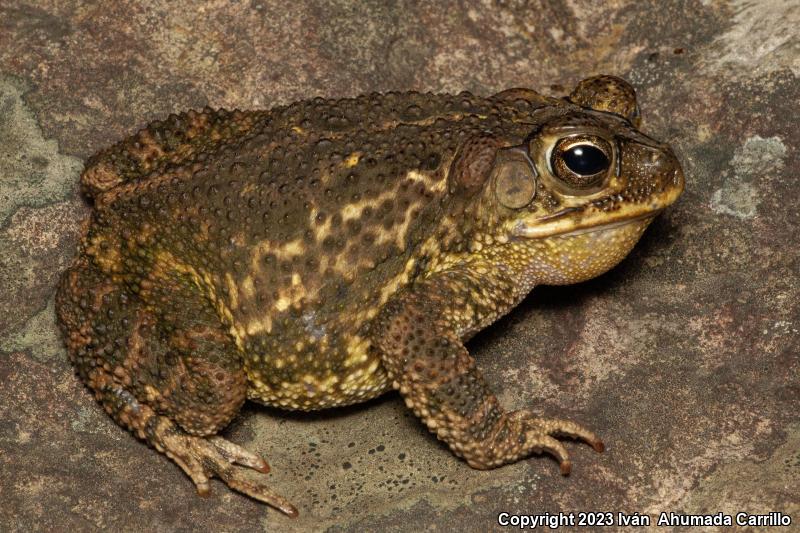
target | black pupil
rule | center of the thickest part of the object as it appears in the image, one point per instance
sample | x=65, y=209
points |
x=585, y=159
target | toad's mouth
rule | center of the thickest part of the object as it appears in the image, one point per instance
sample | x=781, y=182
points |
x=540, y=231
x=612, y=225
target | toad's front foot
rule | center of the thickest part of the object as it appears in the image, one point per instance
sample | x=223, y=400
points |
x=519, y=434
x=205, y=457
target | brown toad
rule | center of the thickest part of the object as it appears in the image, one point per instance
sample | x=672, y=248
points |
x=325, y=252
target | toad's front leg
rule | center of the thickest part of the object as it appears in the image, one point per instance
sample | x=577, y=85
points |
x=416, y=335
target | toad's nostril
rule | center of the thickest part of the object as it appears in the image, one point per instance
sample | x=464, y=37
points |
x=670, y=169
x=660, y=162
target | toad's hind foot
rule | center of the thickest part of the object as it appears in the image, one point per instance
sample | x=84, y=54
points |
x=205, y=457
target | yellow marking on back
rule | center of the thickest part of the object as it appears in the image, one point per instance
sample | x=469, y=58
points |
x=290, y=249
x=352, y=160
x=291, y=295
x=353, y=210
x=282, y=303
x=398, y=233
x=247, y=287
x=233, y=290
x=320, y=230
x=430, y=184
x=259, y=325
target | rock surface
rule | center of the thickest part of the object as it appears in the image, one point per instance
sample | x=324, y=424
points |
x=684, y=358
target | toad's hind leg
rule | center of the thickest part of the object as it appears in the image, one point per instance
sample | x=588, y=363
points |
x=173, y=377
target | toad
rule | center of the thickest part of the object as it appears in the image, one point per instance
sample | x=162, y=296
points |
x=322, y=253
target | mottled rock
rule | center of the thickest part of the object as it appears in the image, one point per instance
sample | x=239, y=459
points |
x=686, y=355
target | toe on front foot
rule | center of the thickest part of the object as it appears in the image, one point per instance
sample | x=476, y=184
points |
x=541, y=436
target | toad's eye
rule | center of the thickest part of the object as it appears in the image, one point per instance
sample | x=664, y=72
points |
x=585, y=159
x=581, y=162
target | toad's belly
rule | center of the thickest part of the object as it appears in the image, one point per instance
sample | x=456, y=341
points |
x=331, y=378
